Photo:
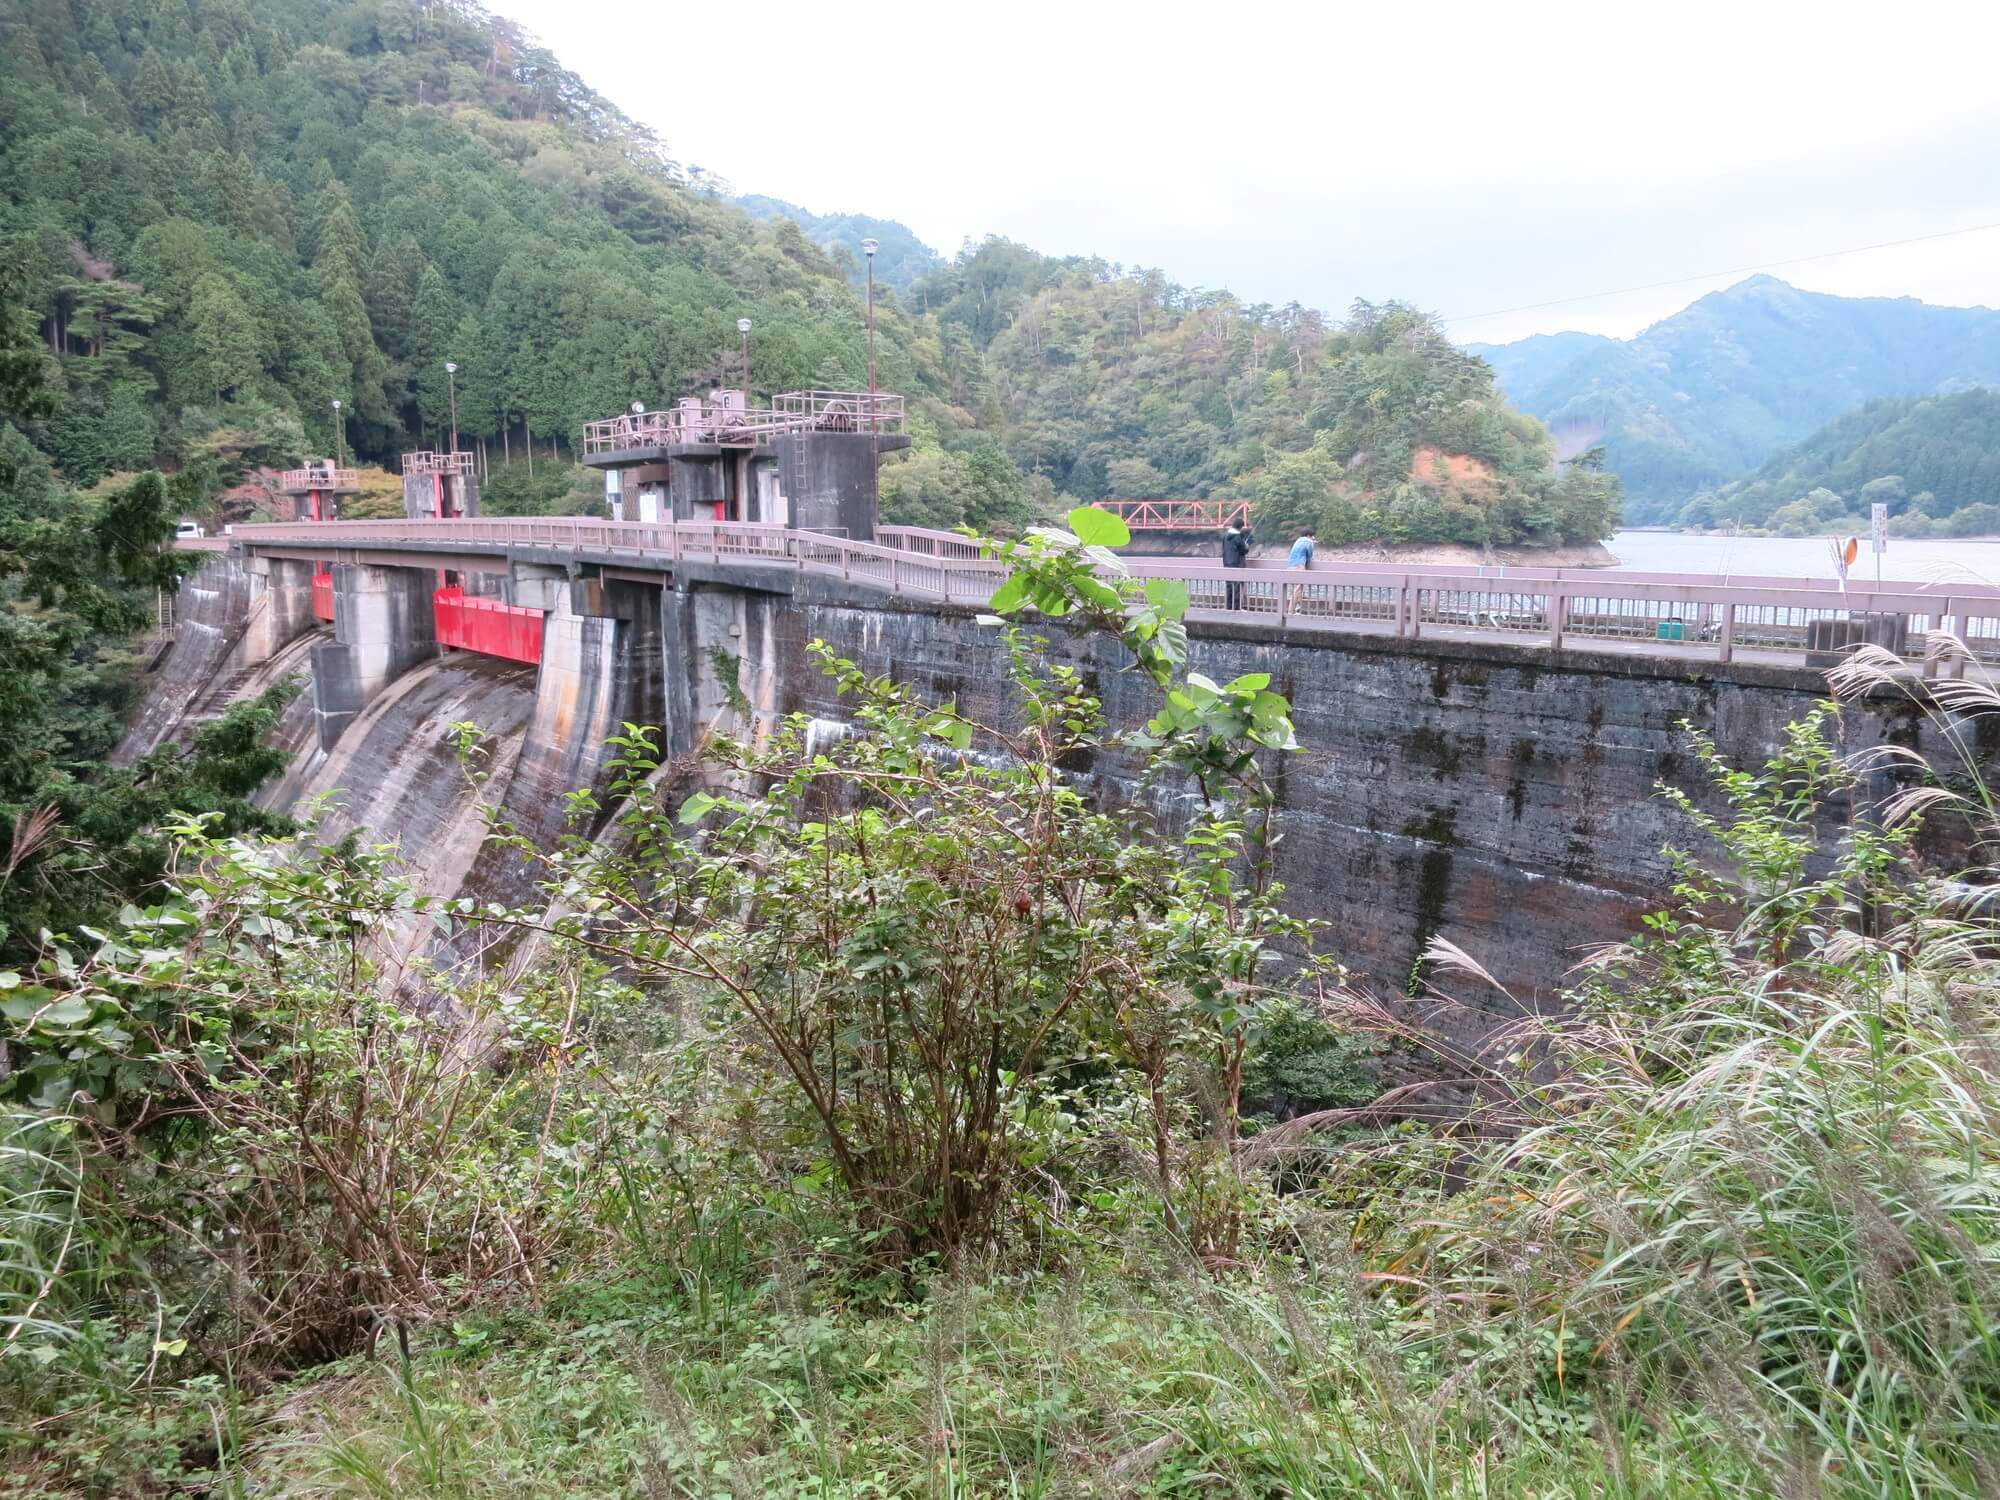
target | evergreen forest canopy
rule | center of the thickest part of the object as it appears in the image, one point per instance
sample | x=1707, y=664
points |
x=231, y=214
x=1702, y=398
x=228, y=215
x=1933, y=460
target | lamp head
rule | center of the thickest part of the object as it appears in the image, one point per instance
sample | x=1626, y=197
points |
x=869, y=247
x=450, y=368
x=638, y=408
x=742, y=325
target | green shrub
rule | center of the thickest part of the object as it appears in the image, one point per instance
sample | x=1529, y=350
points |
x=1299, y=1062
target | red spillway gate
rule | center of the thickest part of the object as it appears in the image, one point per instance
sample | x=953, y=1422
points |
x=322, y=596
x=487, y=625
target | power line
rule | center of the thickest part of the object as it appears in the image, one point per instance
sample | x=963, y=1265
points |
x=1762, y=265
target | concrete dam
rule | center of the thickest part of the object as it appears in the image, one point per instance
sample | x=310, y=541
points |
x=1483, y=770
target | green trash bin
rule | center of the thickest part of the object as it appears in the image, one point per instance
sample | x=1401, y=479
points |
x=1671, y=630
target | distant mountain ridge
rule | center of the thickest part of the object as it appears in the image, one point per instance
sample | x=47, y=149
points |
x=901, y=259
x=1705, y=396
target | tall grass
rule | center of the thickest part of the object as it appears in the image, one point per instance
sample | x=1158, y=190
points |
x=1755, y=1185
x=41, y=1220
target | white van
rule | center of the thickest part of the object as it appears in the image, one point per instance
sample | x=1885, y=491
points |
x=189, y=528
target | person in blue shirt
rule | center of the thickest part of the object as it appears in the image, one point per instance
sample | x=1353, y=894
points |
x=1299, y=559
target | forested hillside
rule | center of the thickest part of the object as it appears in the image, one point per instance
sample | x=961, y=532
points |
x=229, y=214
x=1707, y=395
x=226, y=216
x=1105, y=382
x=1933, y=460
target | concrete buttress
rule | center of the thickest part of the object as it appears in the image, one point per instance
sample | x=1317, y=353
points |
x=285, y=587
x=384, y=623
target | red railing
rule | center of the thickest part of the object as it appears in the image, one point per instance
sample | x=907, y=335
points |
x=1178, y=515
x=487, y=626
x=323, y=596
x=321, y=477
x=427, y=462
x=724, y=426
x=732, y=426
x=841, y=411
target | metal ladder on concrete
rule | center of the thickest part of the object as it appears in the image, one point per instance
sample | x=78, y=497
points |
x=792, y=472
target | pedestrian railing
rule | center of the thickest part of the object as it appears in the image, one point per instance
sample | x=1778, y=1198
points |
x=456, y=464
x=1673, y=613
x=320, y=477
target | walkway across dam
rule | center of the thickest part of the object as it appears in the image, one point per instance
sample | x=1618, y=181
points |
x=1776, y=621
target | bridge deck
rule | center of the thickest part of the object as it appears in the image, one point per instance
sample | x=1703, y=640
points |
x=1761, y=620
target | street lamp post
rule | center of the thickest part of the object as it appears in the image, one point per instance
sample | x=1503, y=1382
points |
x=451, y=385
x=324, y=507
x=638, y=411
x=868, y=249
x=743, y=327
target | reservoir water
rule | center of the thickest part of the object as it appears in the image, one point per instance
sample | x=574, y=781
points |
x=1926, y=561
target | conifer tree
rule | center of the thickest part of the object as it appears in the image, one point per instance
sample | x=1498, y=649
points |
x=227, y=340
x=434, y=321
x=152, y=88
x=337, y=269
x=391, y=280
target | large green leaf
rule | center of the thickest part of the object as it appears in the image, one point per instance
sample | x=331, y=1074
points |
x=1168, y=595
x=1098, y=528
x=1101, y=594
x=34, y=1004
x=1009, y=595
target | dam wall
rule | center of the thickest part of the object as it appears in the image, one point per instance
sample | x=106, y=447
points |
x=1501, y=796
x=1498, y=794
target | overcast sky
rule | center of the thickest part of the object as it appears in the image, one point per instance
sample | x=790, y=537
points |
x=1473, y=159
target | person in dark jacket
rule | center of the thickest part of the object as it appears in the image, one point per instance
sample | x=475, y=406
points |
x=1235, y=554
